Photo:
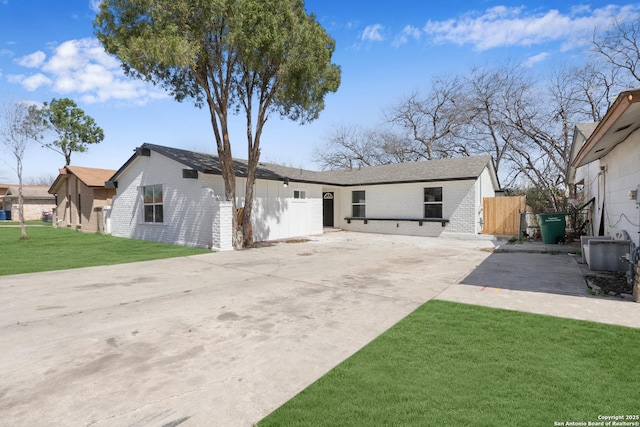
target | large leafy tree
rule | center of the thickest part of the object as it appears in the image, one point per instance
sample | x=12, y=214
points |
x=257, y=57
x=74, y=129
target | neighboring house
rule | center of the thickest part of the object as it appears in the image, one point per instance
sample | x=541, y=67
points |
x=605, y=168
x=3, y=191
x=80, y=197
x=177, y=196
x=36, y=201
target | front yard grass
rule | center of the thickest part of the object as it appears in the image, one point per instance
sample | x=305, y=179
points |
x=48, y=248
x=462, y=365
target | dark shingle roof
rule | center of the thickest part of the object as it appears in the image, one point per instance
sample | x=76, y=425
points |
x=433, y=170
x=206, y=163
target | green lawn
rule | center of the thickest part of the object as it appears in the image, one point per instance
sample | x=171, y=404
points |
x=49, y=248
x=451, y=364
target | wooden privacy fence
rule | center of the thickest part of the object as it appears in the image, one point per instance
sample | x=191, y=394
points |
x=501, y=215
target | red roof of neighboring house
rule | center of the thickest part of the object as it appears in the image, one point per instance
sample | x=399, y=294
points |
x=91, y=177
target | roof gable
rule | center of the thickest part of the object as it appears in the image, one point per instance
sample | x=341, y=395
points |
x=91, y=177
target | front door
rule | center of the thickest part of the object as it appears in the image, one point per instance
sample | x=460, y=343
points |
x=327, y=209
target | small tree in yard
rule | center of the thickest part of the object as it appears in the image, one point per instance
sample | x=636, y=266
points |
x=253, y=56
x=75, y=130
x=20, y=127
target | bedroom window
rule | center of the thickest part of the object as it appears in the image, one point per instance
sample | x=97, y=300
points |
x=358, y=204
x=152, y=200
x=433, y=202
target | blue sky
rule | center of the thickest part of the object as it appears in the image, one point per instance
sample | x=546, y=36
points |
x=386, y=50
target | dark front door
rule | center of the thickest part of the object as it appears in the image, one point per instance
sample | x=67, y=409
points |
x=327, y=209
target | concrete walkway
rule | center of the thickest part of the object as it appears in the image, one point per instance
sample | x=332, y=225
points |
x=224, y=339
x=543, y=279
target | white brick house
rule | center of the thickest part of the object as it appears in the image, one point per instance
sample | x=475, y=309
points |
x=177, y=196
x=605, y=168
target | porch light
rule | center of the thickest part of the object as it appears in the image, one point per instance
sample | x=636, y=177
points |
x=286, y=182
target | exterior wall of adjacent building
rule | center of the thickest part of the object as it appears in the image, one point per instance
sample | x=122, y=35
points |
x=609, y=180
x=621, y=175
x=192, y=206
x=81, y=207
x=32, y=208
x=34, y=203
x=589, y=183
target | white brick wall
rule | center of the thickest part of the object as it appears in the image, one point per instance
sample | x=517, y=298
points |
x=222, y=226
x=191, y=207
x=407, y=201
x=188, y=203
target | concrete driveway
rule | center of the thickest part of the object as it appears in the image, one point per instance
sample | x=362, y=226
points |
x=217, y=339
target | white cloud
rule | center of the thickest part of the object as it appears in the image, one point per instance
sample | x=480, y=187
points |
x=31, y=82
x=533, y=60
x=373, y=33
x=408, y=32
x=82, y=68
x=509, y=26
x=33, y=60
x=95, y=5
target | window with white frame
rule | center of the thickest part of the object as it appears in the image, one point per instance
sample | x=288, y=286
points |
x=299, y=194
x=152, y=200
x=358, y=200
x=433, y=202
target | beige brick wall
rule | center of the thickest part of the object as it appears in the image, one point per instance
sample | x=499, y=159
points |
x=32, y=210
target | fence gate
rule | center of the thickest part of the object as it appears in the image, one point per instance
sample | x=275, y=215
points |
x=501, y=215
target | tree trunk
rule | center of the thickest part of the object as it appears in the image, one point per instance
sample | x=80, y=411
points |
x=254, y=158
x=23, y=228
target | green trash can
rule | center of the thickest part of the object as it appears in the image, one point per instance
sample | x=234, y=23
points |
x=552, y=227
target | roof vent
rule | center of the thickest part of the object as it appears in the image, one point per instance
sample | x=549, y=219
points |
x=190, y=173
